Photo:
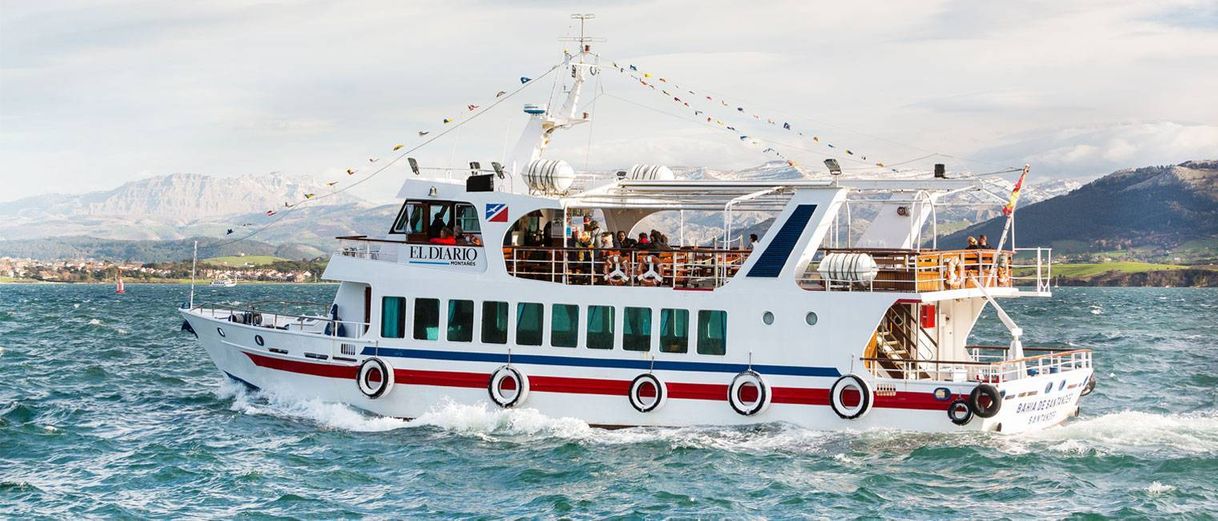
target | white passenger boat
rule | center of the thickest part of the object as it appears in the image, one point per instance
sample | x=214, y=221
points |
x=223, y=282
x=814, y=325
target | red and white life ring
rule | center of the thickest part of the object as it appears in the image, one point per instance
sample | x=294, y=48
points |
x=952, y=276
x=508, y=387
x=860, y=394
x=651, y=275
x=374, y=378
x=616, y=276
x=748, y=393
x=647, y=393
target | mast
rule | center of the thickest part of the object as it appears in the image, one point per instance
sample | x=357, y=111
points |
x=543, y=121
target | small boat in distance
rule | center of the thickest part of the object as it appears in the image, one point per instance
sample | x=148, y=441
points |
x=223, y=282
x=119, y=289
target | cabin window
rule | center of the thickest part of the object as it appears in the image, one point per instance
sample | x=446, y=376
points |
x=494, y=322
x=712, y=332
x=529, y=323
x=600, y=327
x=636, y=329
x=674, y=330
x=460, y=321
x=427, y=319
x=410, y=219
x=564, y=325
x=467, y=218
x=393, y=317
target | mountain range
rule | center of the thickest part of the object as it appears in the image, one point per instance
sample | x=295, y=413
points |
x=1155, y=211
x=1162, y=206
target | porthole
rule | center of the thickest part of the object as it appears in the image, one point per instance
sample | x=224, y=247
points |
x=810, y=318
x=767, y=317
x=258, y=340
x=221, y=331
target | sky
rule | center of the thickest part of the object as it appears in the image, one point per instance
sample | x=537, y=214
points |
x=97, y=93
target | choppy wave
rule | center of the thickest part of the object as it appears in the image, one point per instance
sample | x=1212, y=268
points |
x=139, y=425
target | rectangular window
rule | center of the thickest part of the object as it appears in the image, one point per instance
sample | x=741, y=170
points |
x=427, y=319
x=636, y=329
x=712, y=332
x=411, y=219
x=460, y=321
x=564, y=325
x=529, y=323
x=494, y=322
x=467, y=218
x=393, y=317
x=600, y=327
x=674, y=330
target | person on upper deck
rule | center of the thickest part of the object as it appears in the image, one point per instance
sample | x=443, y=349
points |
x=972, y=243
x=643, y=243
x=752, y=240
x=606, y=241
x=983, y=243
x=446, y=237
x=621, y=240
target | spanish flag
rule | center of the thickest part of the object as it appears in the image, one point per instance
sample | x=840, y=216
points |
x=1010, y=207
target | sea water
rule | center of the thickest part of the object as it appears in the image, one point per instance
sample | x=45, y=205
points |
x=108, y=410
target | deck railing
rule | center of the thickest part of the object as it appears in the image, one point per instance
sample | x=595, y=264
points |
x=312, y=324
x=678, y=268
x=916, y=271
x=1048, y=361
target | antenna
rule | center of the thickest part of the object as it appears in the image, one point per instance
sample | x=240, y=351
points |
x=583, y=39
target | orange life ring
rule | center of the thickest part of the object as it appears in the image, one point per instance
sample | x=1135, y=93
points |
x=953, y=278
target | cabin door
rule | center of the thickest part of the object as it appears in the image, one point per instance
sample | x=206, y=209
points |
x=367, y=308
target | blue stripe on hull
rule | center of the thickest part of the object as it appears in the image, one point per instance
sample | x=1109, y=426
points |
x=570, y=361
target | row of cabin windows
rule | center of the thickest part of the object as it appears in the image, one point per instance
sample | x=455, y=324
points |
x=599, y=325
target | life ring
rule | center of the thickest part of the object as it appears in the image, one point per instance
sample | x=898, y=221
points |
x=650, y=276
x=959, y=412
x=1089, y=386
x=952, y=277
x=989, y=393
x=617, y=276
x=837, y=397
x=647, y=393
x=742, y=383
x=508, y=387
x=374, y=378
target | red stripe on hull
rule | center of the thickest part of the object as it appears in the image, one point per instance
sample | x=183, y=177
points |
x=572, y=385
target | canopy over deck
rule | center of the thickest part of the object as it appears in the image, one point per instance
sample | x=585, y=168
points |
x=742, y=195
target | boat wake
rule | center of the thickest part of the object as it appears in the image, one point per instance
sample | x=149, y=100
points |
x=1132, y=432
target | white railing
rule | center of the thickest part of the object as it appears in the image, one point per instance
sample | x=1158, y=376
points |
x=674, y=268
x=981, y=370
x=310, y=324
x=1033, y=267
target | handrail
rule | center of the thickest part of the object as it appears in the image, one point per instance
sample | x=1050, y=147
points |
x=976, y=370
x=685, y=268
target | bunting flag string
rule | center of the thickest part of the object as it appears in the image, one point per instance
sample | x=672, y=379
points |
x=474, y=111
x=644, y=78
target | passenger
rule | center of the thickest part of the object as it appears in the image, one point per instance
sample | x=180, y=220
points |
x=983, y=243
x=437, y=224
x=446, y=237
x=972, y=243
x=459, y=236
x=753, y=240
x=643, y=243
x=606, y=240
x=623, y=241
x=591, y=226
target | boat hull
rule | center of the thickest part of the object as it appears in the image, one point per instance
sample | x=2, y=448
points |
x=596, y=390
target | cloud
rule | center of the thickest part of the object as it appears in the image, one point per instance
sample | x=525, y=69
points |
x=95, y=93
x=1088, y=151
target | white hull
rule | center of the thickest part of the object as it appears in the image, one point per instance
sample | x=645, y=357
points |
x=597, y=395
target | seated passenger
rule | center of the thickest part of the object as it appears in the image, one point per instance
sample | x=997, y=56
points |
x=752, y=241
x=643, y=243
x=446, y=237
x=972, y=243
x=606, y=240
x=983, y=243
x=459, y=236
x=623, y=241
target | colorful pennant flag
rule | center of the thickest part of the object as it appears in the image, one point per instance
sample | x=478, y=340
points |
x=1010, y=207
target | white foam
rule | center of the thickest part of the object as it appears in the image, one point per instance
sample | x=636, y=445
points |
x=94, y=322
x=1133, y=431
x=328, y=414
x=1157, y=488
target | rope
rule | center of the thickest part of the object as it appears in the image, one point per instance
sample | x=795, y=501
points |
x=388, y=164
